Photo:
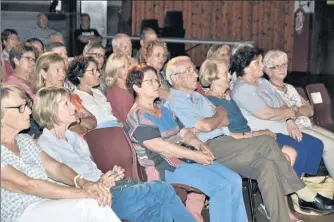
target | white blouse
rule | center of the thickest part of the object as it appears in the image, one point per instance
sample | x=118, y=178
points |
x=97, y=105
x=292, y=98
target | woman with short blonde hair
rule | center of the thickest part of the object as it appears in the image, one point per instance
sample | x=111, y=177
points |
x=27, y=193
x=219, y=52
x=276, y=67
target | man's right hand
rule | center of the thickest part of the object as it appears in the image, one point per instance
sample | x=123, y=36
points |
x=99, y=192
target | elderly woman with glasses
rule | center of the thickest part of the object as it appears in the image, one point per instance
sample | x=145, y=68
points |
x=28, y=188
x=276, y=63
x=169, y=151
x=83, y=72
x=23, y=59
x=264, y=109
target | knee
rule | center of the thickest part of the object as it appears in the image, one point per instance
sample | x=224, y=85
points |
x=268, y=168
x=291, y=152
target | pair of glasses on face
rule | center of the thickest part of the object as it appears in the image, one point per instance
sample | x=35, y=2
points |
x=97, y=55
x=29, y=59
x=22, y=107
x=93, y=71
x=153, y=81
x=188, y=71
x=279, y=67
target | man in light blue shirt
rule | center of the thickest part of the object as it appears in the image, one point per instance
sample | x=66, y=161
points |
x=258, y=157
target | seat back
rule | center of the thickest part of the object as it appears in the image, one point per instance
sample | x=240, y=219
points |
x=302, y=92
x=321, y=102
x=109, y=147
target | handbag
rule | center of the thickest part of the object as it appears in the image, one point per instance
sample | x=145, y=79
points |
x=323, y=185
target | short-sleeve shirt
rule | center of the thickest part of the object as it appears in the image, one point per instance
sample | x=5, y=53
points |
x=13, y=80
x=142, y=126
x=72, y=151
x=28, y=163
x=251, y=99
x=292, y=98
x=191, y=108
x=42, y=34
x=97, y=105
x=85, y=32
x=237, y=122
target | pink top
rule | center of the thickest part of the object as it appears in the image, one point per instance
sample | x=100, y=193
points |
x=13, y=80
x=9, y=68
x=121, y=102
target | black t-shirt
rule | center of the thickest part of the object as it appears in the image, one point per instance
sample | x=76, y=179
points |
x=85, y=32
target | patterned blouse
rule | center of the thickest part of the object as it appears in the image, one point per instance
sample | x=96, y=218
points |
x=28, y=163
x=292, y=98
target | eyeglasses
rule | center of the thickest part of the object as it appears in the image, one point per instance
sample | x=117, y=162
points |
x=188, y=71
x=22, y=107
x=30, y=59
x=14, y=37
x=94, y=71
x=97, y=55
x=279, y=67
x=152, y=81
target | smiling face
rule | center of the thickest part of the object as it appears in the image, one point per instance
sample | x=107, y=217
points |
x=55, y=74
x=66, y=112
x=13, y=118
x=157, y=58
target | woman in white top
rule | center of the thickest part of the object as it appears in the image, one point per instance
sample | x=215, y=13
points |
x=276, y=67
x=27, y=193
x=85, y=75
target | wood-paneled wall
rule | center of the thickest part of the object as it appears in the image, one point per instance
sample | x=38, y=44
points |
x=269, y=23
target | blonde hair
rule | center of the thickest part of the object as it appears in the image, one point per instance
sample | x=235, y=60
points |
x=6, y=91
x=273, y=56
x=46, y=106
x=214, y=51
x=91, y=45
x=147, y=50
x=114, y=62
x=43, y=63
x=172, y=66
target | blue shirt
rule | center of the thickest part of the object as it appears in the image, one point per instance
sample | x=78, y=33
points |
x=191, y=108
x=237, y=122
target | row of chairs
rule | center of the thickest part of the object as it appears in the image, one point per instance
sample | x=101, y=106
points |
x=111, y=146
x=322, y=109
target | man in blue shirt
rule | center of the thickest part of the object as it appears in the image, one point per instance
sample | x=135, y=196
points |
x=258, y=157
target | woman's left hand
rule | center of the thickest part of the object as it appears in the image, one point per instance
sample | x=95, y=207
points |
x=206, y=150
x=294, y=131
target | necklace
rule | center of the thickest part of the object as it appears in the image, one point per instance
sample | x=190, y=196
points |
x=282, y=88
x=151, y=110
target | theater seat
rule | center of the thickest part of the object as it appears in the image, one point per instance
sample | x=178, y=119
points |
x=321, y=102
x=111, y=146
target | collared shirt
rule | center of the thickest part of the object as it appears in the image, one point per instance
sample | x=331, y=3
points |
x=42, y=34
x=29, y=164
x=97, y=105
x=72, y=151
x=191, y=108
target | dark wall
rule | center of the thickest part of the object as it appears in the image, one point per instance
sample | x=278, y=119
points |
x=269, y=23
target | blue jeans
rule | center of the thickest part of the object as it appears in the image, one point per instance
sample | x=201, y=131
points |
x=222, y=185
x=309, y=152
x=150, y=202
x=111, y=123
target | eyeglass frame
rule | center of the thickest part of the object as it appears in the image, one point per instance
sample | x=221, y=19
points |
x=93, y=72
x=150, y=81
x=188, y=71
x=28, y=103
x=279, y=67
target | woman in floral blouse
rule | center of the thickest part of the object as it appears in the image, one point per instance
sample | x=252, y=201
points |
x=276, y=64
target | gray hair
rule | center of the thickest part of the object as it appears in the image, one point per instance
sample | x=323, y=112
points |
x=114, y=42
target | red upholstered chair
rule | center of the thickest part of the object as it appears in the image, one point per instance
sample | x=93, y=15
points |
x=111, y=146
x=322, y=109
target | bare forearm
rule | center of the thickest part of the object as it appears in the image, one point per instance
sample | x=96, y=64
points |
x=209, y=124
x=168, y=149
x=63, y=174
x=190, y=138
x=273, y=114
x=305, y=111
